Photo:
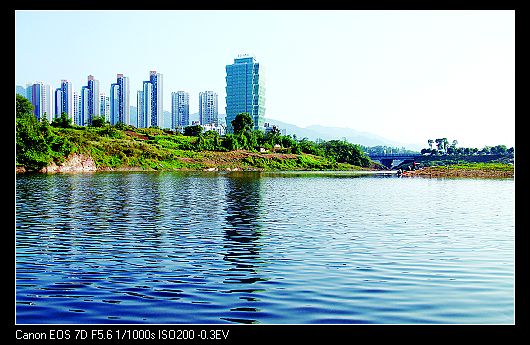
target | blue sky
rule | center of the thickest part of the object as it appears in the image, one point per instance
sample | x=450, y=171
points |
x=405, y=75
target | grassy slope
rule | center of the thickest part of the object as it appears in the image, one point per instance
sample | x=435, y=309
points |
x=150, y=149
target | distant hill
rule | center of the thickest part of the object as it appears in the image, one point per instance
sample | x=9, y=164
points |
x=329, y=133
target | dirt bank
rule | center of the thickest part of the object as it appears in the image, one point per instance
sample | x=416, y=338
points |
x=445, y=172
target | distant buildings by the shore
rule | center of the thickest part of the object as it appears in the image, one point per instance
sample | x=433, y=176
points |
x=245, y=92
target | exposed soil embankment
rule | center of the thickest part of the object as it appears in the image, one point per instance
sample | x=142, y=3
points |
x=73, y=163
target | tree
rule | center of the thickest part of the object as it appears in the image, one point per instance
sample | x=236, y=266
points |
x=23, y=106
x=441, y=144
x=499, y=149
x=32, y=150
x=242, y=123
x=122, y=126
x=430, y=142
x=287, y=141
x=307, y=146
x=230, y=142
x=193, y=131
x=63, y=121
x=485, y=150
x=445, y=144
x=209, y=141
x=98, y=121
x=345, y=152
x=438, y=143
x=274, y=136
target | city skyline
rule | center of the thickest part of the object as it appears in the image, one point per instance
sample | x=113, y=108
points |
x=404, y=75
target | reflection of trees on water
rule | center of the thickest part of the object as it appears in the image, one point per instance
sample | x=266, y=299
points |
x=242, y=242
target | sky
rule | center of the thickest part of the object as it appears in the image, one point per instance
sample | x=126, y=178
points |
x=408, y=76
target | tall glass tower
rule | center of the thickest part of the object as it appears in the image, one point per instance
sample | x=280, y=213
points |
x=245, y=91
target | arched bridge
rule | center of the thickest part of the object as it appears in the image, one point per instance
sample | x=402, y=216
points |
x=388, y=159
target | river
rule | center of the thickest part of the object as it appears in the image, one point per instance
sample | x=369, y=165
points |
x=269, y=248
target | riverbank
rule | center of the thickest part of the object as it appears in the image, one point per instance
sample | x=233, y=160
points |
x=238, y=160
x=108, y=148
x=473, y=170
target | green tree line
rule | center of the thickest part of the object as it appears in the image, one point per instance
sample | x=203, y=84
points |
x=442, y=146
x=244, y=138
x=37, y=145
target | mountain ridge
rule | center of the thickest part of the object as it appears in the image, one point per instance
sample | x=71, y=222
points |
x=315, y=132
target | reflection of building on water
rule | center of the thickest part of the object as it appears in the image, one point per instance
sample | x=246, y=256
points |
x=243, y=230
x=242, y=245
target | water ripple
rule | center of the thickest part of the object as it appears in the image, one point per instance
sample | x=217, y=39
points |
x=263, y=248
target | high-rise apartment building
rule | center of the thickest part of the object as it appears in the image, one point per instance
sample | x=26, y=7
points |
x=84, y=119
x=47, y=100
x=140, y=109
x=40, y=96
x=36, y=99
x=90, y=101
x=64, y=99
x=58, y=102
x=119, y=101
x=104, y=106
x=152, y=100
x=180, y=109
x=114, y=103
x=78, y=104
x=144, y=104
x=208, y=111
x=245, y=91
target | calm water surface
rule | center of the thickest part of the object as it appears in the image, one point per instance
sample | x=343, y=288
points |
x=263, y=248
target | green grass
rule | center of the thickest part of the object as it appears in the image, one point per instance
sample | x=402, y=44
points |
x=153, y=149
x=480, y=166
